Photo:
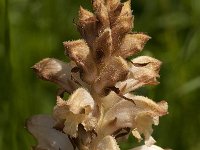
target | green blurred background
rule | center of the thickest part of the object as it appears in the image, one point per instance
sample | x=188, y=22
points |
x=34, y=29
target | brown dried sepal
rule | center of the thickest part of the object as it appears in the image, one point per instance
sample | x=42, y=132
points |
x=114, y=9
x=103, y=46
x=132, y=44
x=101, y=14
x=87, y=26
x=79, y=52
x=144, y=70
x=115, y=69
x=56, y=71
x=122, y=25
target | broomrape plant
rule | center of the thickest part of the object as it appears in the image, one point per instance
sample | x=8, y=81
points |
x=101, y=109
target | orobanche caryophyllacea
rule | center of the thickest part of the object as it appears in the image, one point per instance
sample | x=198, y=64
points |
x=102, y=108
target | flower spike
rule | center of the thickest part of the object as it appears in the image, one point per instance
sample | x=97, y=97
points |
x=101, y=109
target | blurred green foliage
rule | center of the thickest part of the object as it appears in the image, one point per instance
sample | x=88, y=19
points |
x=33, y=29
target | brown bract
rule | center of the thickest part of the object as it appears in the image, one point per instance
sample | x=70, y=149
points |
x=101, y=109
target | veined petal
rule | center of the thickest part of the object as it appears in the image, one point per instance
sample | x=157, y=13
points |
x=80, y=100
x=127, y=114
x=77, y=110
x=41, y=127
x=144, y=70
x=110, y=100
x=147, y=62
x=71, y=123
x=56, y=71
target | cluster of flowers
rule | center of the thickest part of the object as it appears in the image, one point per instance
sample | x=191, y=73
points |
x=100, y=77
